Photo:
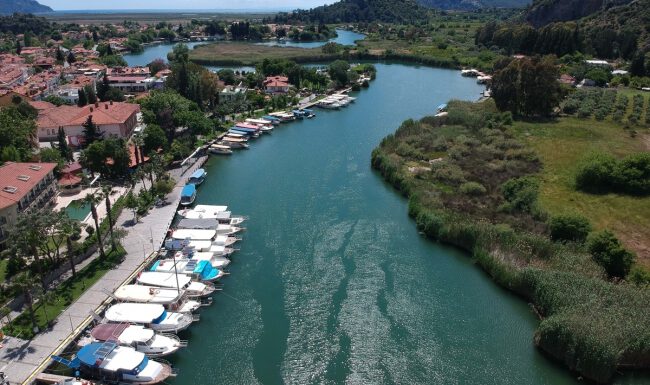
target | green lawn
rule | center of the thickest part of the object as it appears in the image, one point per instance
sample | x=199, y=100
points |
x=64, y=295
x=562, y=145
x=3, y=269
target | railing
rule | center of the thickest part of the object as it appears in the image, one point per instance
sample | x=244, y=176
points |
x=206, y=302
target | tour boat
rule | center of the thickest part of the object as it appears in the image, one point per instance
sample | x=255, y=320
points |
x=329, y=104
x=205, y=209
x=197, y=177
x=215, y=245
x=247, y=126
x=188, y=195
x=148, y=314
x=275, y=121
x=198, y=224
x=194, y=234
x=217, y=260
x=199, y=270
x=263, y=122
x=173, y=299
x=236, y=136
x=220, y=149
x=340, y=99
x=248, y=134
x=283, y=116
x=138, y=337
x=266, y=129
x=233, y=144
x=193, y=289
x=113, y=363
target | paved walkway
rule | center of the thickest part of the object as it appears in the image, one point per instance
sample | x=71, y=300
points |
x=19, y=359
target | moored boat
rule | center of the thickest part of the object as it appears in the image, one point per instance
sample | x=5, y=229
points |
x=233, y=144
x=171, y=280
x=151, y=315
x=198, y=269
x=197, y=177
x=220, y=149
x=138, y=337
x=275, y=121
x=172, y=299
x=113, y=363
x=188, y=195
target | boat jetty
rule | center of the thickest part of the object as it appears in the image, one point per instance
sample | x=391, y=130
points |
x=148, y=313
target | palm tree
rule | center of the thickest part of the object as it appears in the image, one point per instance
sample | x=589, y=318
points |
x=106, y=192
x=92, y=199
x=24, y=282
x=69, y=227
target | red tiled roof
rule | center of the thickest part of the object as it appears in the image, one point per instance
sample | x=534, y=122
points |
x=104, y=113
x=72, y=168
x=69, y=180
x=9, y=177
x=40, y=105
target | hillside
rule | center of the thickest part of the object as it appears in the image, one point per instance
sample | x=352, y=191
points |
x=474, y=4
x=543, y=12
x=8, y=7
x=352, y=11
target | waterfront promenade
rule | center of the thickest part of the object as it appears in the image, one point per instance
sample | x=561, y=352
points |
x=20, y=359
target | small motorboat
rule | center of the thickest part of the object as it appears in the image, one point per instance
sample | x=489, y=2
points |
x=220, y=149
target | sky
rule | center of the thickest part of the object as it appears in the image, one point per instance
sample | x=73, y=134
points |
x=60, y=5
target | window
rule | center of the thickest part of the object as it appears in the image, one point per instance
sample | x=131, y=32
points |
x=24, y=178
x=35, y=167
x=10, y=189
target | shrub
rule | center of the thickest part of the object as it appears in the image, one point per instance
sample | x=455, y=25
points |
x=569, y=227
x=520, y=193
x=473, y=188
x=601, y=173
x=608, y=252
x=596, y=173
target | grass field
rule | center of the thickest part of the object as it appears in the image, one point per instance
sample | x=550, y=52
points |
x=249, y=54
x=562, y=145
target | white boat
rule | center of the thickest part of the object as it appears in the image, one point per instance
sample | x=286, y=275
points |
x=220, y=149
x=329, y=104
x=283, y=116
x=148, y=314
x=262, y=122
x=212, y=246
x=152, y=315
x=173, y=299
x=217, y=261
x=198, y=224
x=142, y=339
x=239, y=136
x=198, y=270
x=171, y=280
x=233, y=144
x=266, y=129
x=208, y=210
x=117, y=364
x=195, y=234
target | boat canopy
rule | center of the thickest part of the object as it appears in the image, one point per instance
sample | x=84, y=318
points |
x=162, y=279
x=198, y=174
x=194, y=235
x=142, y=313
x=200, y=245
x=123, y=332
x=147, y=294
x=220, y=147
x=188, y=191
x=205, y=224
x=247, y=125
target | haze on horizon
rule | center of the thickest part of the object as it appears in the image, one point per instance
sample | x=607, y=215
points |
x=271, y=5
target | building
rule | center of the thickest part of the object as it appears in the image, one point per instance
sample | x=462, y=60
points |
x=231, y=93
x=112, y=119
x=276, y=85
x=23, y=187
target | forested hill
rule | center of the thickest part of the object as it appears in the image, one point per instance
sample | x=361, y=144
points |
x=7, y=7
x=352, y=11
x=543, y=12
x=474, y=4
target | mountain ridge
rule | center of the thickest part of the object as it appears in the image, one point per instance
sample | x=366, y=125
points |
x=8, y=7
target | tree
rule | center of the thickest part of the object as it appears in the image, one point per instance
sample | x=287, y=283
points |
x=157, y=66
x=180, y=53
x=82, y=99
x=92, y=199
x=91, y=131
x=106, y=193
x=59, y=55
x=62, y=145
x=527, y=86
x=56, y=100
x=569, y=227
x=608, y=252
x=90, y=94
x=131, y=203
x=338, y=72
x=102, y=88
x=227, y=75
x=71, y=58
x=24, y=282
x=70, y=229
x=154, y=138
x=18, y=47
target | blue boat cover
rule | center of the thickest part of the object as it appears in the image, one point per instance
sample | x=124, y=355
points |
x=93, y=354
x=200, y=173
x=188, y=191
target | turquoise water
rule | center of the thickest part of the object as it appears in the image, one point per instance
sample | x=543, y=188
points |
x=333, y=284
x=343, y=37
x=160, y=51
x=78, y=210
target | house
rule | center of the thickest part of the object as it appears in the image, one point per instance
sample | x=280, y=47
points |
x=596, y=62
x=276, y=85
x=112, y=119
x=24, y=187
x=567, y=79
x=231, y=93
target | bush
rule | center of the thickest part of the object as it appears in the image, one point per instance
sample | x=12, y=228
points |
x=601, y=173
x=473, y=188
x=608, y=252
x=569, y=227
x=520, y=193
x=596, y=173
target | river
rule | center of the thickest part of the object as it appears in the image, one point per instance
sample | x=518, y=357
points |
x=159, y=51
x=333, y=283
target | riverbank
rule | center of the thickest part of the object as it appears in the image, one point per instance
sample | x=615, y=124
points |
x=453, y=171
